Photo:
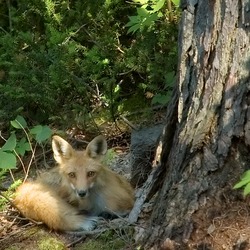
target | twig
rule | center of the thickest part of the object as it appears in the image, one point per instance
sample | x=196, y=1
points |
x=74, y=33
x=31, y=148
x=29, y=165
x=12, y=176
x=6, y=198
x=84, y=234
x=17, y=232
x=76, y=241
x=158, y=107
x=170, y=15
x=145, y=192
x=128, y=122
x=9, y=14
x=106, y=225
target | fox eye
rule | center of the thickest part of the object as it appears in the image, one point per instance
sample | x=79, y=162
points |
x=90, y=173
x=71, y=175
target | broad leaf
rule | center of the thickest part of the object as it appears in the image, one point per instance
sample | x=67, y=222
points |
x=10, y=144
x=41, y=133
x=7, y=160
x=158, y=5
x=19, y=122
x=22, y=146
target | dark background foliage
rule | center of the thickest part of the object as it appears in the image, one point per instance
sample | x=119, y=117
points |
x=69, y=61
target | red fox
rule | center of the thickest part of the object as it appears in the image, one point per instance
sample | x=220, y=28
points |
x=70, y=196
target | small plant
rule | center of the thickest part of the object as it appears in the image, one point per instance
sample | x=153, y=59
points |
x=148, y=13
x=15, y=148
x=244, y=183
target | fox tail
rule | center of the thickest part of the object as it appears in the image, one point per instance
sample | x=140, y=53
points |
x=40, y=203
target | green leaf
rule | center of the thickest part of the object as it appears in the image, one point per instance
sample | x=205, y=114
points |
x=41, y=133
x=176, y=3
x=245, y=179
x=246, y=175
x=22, y=146
x=10, y=144
x=19, y=122
x=149, y=20
x=8, y=160
x=246, y=189
x=134, y=28
x=241, y=184
x=170, y=76
x=134, y=19
x=142, y=12
x=158, y=5
x=161, y=99
x=141, y=1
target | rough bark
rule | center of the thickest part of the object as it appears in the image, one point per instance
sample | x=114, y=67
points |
x=212, y=131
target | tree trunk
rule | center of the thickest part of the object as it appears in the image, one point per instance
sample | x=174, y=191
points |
x=210, y=146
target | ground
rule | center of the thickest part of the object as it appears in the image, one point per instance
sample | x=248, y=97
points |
x=221, y=224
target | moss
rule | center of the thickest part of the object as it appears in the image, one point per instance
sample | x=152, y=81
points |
x=109, y=240
x=50, y=244
x=12, y=248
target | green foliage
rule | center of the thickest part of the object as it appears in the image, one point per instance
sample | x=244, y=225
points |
x=149, y=12
x=109, y=157
x=69, y=61
x=9, y=193
x=108, y=240
x=41, y=133
x=244, y=183
x=164, y=98
x=14, y=147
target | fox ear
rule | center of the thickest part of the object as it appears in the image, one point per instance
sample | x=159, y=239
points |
x=61, y=149
x=97, y=147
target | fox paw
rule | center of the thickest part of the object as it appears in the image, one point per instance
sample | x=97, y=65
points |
x=89, y=223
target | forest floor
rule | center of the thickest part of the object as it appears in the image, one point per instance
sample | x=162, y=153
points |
x=221, y=224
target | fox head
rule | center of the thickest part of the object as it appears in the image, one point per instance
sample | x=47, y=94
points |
x=80, y=168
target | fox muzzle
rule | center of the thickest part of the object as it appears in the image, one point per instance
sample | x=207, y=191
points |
x=82, y=193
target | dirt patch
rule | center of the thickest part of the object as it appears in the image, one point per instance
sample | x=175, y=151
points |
x=222, y=223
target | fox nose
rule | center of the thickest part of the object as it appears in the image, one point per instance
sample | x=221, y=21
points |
x=82, y=193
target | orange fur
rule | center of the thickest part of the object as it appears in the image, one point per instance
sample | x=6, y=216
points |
x=79, y=183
